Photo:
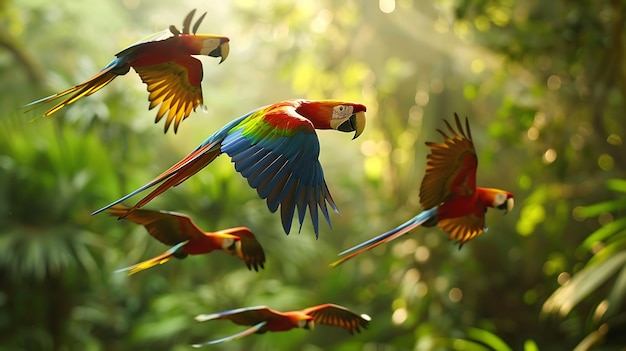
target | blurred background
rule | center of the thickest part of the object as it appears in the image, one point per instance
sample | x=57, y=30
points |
x=542, y=82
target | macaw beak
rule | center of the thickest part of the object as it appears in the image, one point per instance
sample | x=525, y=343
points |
x=222, y=50
x=356, y=123
x=507, y=206
x=229, y=242
x=510, y=203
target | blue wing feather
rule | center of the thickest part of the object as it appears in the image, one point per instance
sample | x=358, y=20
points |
x=285, y=170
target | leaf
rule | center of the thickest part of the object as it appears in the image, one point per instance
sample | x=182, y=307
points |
x=603, y=233
x=488, y=338
x=616, y=296
x=603, y=207
x=616, y=185
x=565, y=298
x=530, y=345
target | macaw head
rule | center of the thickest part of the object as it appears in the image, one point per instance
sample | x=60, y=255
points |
x=209, y=44
x=502, y=200
x=306, y=322
x=231, y=244
x=334, y=114
x=214, y=46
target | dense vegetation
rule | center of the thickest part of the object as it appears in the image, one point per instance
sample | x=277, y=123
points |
x=543, y=83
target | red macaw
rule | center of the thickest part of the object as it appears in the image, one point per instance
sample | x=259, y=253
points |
x=178, y=231
x=276, y=149
x=165, y=64
x=264, y=319
x=448, y=193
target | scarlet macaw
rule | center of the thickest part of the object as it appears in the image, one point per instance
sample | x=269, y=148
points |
x=165, y=64
x=276, y=149
x=264, y=319
x=180, y=232
x=448, y=193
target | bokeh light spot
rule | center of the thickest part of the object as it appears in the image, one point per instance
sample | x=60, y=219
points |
x=614, y=139
x=455, y=294
x=422, y=253
x=387, y=6
x=477, y=66
x=554, y=82
x=549, y=156
x=605, y=162
x=533, y=133
x=563, y=278
x=399, y=316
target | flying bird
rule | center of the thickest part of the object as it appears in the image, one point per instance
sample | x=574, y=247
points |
x=264, y=319
x=448, y=193
x=186, y=238
x=164, y=63
x=277, y=150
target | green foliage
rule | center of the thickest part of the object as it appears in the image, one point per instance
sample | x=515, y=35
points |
x=603, y=277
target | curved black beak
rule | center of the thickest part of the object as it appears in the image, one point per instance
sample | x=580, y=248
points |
x=222, y=50
x=356, y=123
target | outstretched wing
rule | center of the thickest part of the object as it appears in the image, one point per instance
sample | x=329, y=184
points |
x=159, y=36
x=251, y=251
x=463, y=229
x=338, y=316
x=451, y=166
x=175, y=85
x=170, y=228
x=277, y=151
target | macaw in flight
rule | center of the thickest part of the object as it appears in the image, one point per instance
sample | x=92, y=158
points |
x=165, y=64
x=277, y=150
x=448, y=193
x=264, y=319
x=178, y=230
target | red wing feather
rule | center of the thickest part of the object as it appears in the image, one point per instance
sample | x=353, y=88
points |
x=451, y=166
x=463, y=229
x=170, y=228
x=337, y=316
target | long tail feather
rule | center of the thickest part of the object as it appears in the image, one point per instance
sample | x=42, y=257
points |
x=173, y=176
x=160, y=259
x=93, y=84
x=246, y=332
x=402, y=229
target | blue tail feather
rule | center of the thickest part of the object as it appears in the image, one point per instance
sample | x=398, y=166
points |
x=417, y=220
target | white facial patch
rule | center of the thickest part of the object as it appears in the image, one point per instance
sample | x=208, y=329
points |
x=499, y=200
x=227, y=243
x=209, y=45
x=342, y=111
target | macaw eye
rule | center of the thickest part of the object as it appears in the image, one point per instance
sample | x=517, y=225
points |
x=342, y=111
x=209, y=45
